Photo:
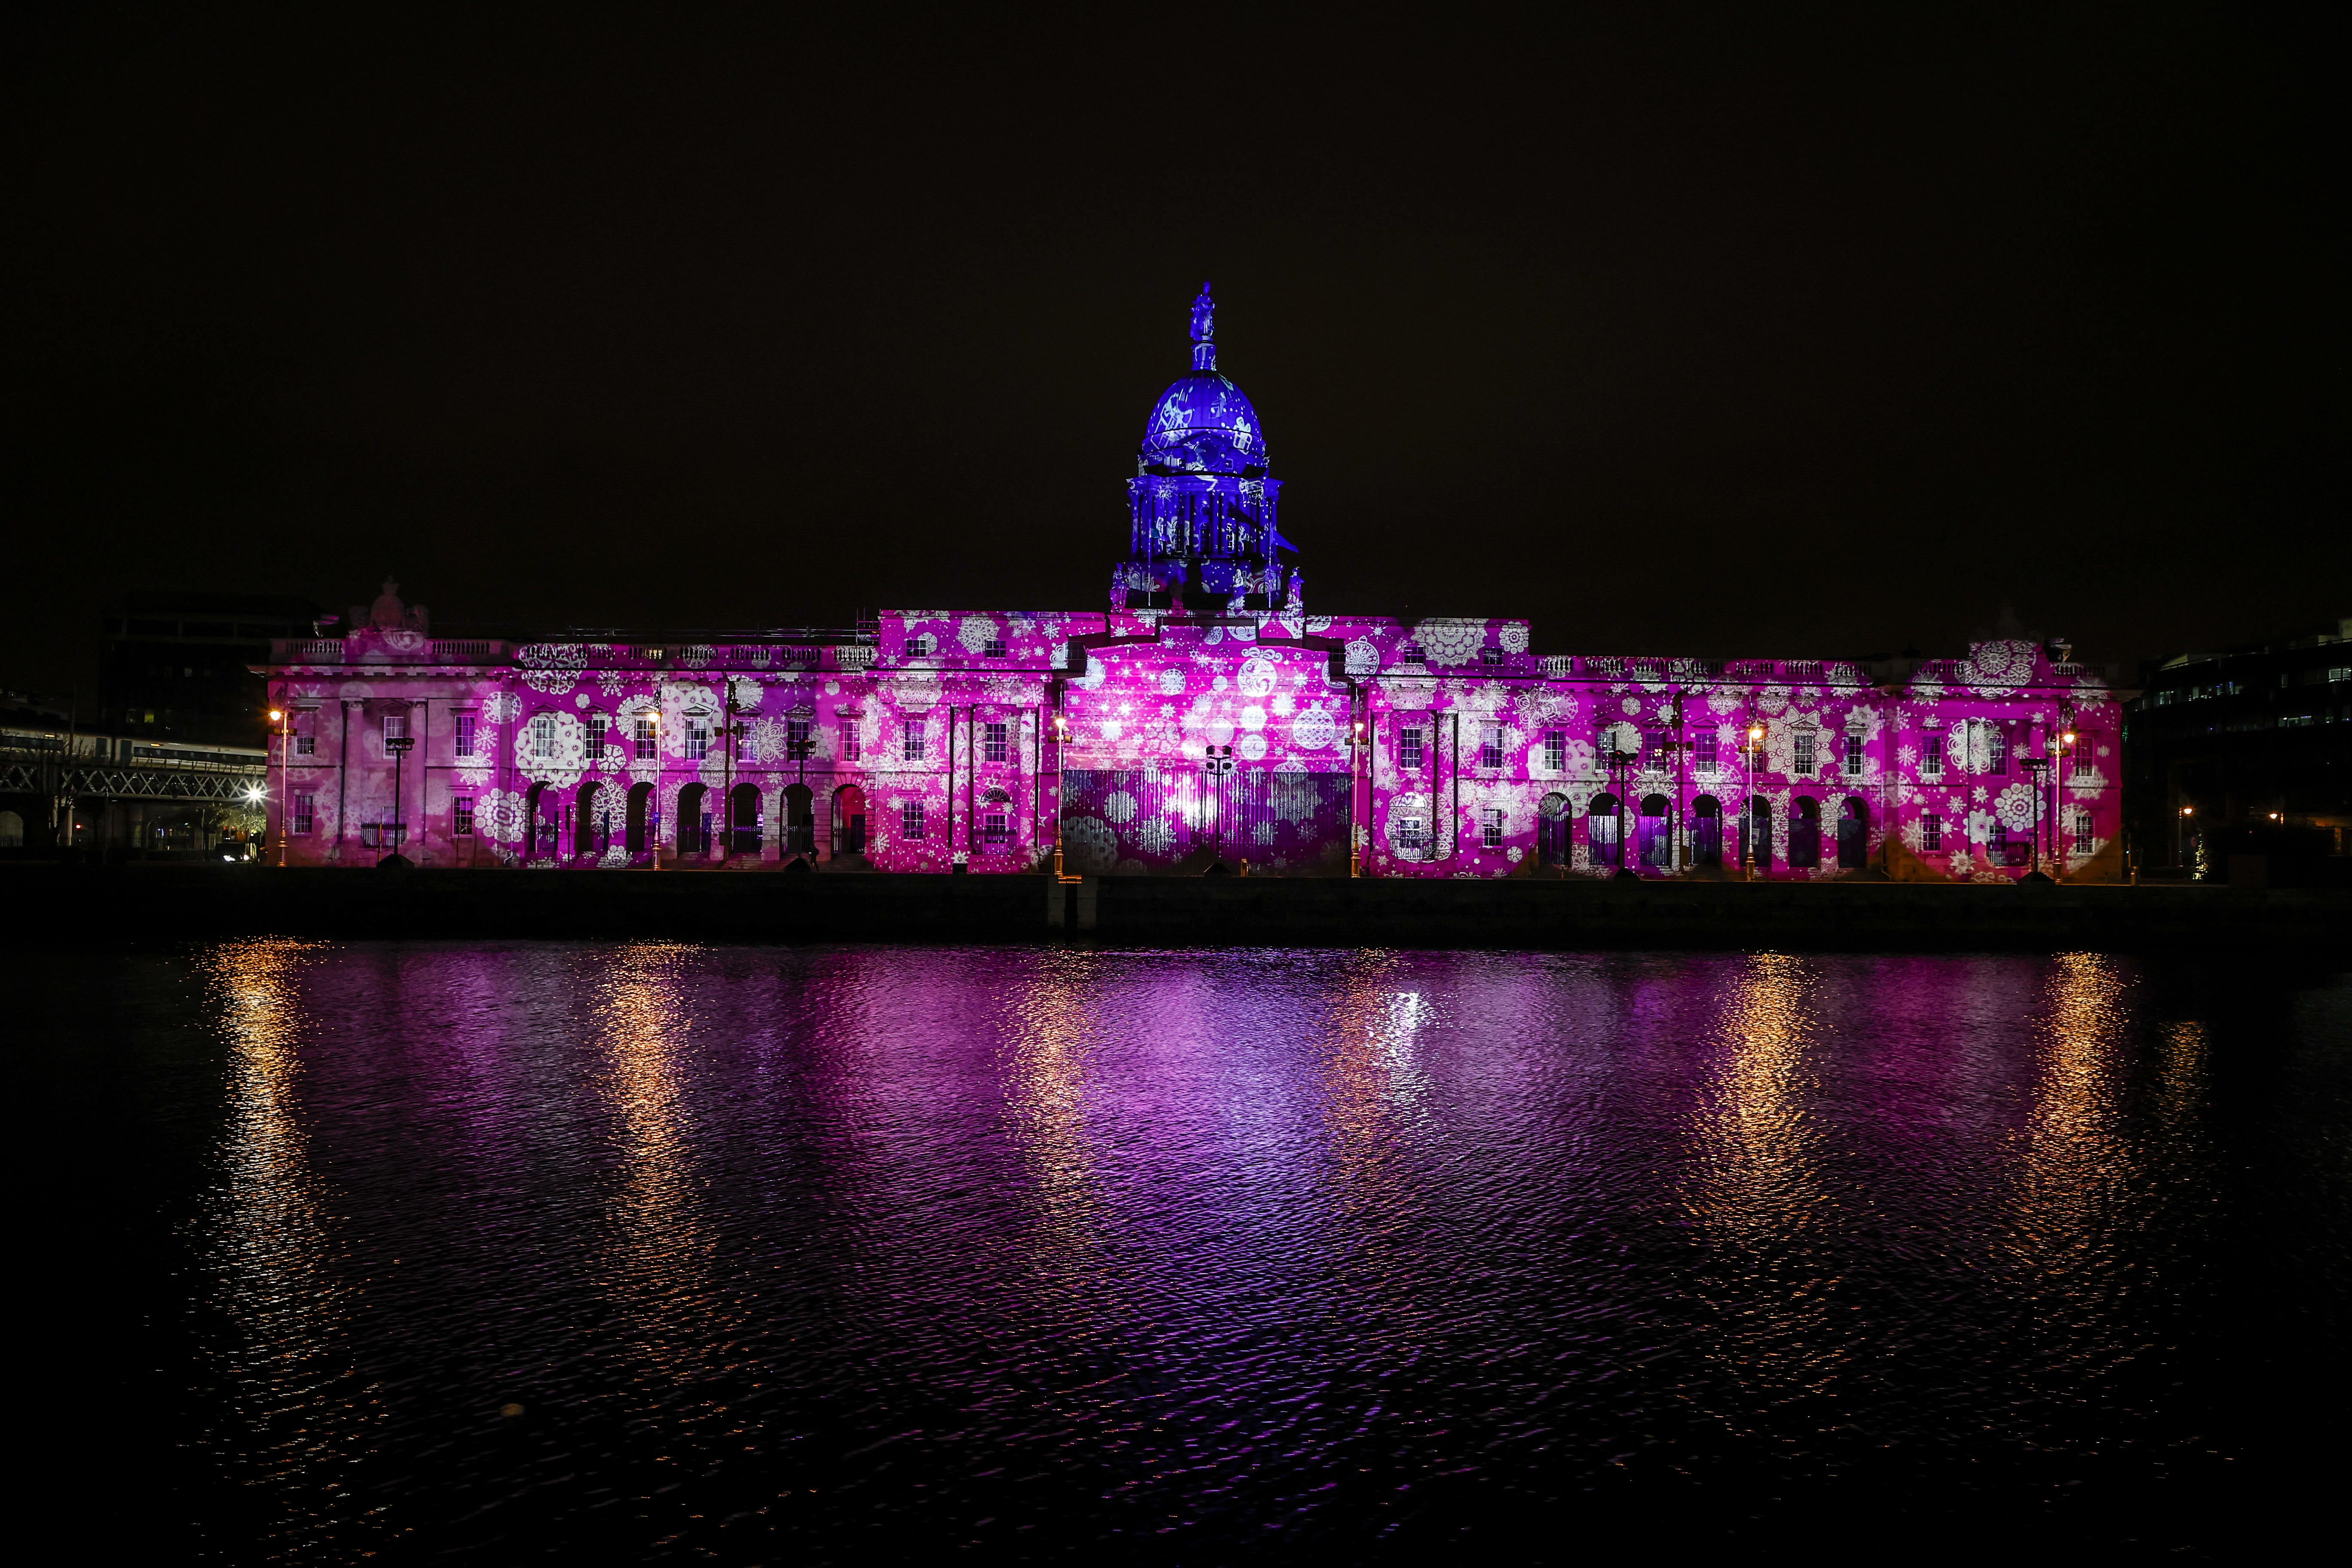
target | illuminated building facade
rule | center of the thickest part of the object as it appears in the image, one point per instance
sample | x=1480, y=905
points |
x=1203, y=719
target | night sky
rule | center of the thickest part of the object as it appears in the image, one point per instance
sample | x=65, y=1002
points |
x=1817, y=336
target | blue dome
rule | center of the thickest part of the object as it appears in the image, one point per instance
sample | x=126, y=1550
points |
x=1203, y=425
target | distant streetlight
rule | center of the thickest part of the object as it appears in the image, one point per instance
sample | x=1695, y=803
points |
x=399, y=746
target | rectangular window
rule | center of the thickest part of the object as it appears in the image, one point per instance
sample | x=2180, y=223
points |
x=2083, y=832
x=461, y=814
x=1490, y=827
x=1490, y=746
x=1852, y=755
x=849, y=751
x=645, y=730
x=1555, y=743
x=1803, y=766
x=1410, y=653
x=992, y=835
x=543, y=736
x=1996, y=751
x=992, y=743
x=1409, y=748
x=1931, y=755
x=1931, y=833
x=464, y=734
x=994, y=649
x=919, y=648
x=597, y=726
x=798, y=746
x=1707, y=756
x=698, y=739
x=912, y=746
x=911, y=819
x=1412, y=835
x=305, y=812
x=306, y=745
x=2082, y=763
x=395, y=726
x=1490, y=656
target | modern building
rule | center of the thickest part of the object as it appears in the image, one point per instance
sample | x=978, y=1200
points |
x=1205, y=717
x=65, y=789
x=180, y=667
x=2243, y=755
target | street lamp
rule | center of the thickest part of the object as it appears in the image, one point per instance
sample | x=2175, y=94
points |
x=284, y=719
x=1747, y=807
x=399, y=746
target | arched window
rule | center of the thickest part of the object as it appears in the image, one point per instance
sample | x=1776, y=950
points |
x=693, y=820
x=1656, y=843
x=996, y=820
x=743, y=815
x=1552, y=817
x=1707, y=831
x=1804, y=833
x=590, y=832
x=848, y=821
x=12, y=830
x=1854, y=835
x=1605, y=830
x=640, y=826
x=1756, y=833
x=800, y=820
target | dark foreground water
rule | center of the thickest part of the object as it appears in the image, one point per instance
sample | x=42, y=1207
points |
x=836, y=1255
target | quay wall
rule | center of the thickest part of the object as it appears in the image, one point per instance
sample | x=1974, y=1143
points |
x=49, y=904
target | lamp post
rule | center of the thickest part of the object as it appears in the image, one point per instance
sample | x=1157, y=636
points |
x=1747, y=807
x=2063, y=764
x=398, y=745
x=1356, y=832
x=284, y=719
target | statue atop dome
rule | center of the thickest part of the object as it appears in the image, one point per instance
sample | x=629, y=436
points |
x=1204, y=316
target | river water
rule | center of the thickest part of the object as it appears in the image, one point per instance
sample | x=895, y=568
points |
x=388, y=1252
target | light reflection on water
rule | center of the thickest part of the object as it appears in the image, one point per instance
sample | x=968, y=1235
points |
x=778, y=1251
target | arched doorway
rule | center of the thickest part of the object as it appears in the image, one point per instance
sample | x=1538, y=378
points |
x=589, y=831
x=539, y=827
x=1603, y=830
x=800, y=820
x=642, y=826
x=1756, y=833
x=1552, y=819
x=1804, y=833
x=848, y=821
x=1854, y=835
x=694, y=820
x=743, y=819
x=996, y=821
x=12, y=830
x=1707, y=831
x=1656, y=843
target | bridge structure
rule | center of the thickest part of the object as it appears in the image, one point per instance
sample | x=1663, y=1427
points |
x=101, y=793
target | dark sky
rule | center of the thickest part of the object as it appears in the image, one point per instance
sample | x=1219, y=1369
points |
x=1821, y=334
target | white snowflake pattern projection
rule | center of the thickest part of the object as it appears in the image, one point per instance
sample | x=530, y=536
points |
x=499, y=816
x=917, y=693
x=712, y=770
x=1283, y=705
x=1250, y=747
x=1257, y=678
x=1118, y=807
x=1579, y=756
x=744, y=691
x=611, y=682
x=1631, y=706
x=551, y=668
x=1772, y=699
x=1513, y=637
x=1253, y=717
x=1314, y=730
x=474, y=775
x=552, y=748
x=1726, y=699
x=2016, y=807
x=2001, y=666
x=1112, y=728
x=1363, y=658
x=1907, y=755
x=1088, y=843
x=1450, y=639
x=1622, y=737
x=975, y=633
x=616, y=857
x=1409, y=823
x=1171, y=681
x=680, y=699
x=1154, y=835
x=765, y=743
x=501, y=707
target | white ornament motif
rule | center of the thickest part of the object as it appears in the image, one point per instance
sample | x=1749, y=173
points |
x=1257, y=678
x=1450, y=639
x=1513, y=638
x=1313, y=730
x=1363, y=658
